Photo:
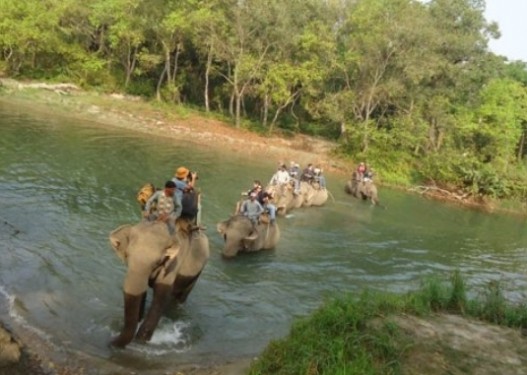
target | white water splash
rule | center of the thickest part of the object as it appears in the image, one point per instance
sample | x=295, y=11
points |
x=169, y=337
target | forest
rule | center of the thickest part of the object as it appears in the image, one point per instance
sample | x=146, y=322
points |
x=409, y=86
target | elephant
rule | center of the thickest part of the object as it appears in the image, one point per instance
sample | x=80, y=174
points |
x=315, y=195
x=169, y=263
x=240, y=235
x=362, y=189
x=309, y=194
x=285, y=198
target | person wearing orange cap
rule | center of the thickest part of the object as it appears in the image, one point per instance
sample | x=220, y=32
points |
x=184, y=180
x=189, y=197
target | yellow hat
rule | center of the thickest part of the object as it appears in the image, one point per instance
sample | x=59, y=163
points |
x=181, y=172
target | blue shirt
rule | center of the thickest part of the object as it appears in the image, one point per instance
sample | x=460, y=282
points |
x=181, y=185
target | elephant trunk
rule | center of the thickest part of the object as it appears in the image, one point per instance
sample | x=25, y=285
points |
x=132, y=312
x=230, y=251
x=162, y=296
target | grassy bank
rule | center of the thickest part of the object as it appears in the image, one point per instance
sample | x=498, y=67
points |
x=377, y=333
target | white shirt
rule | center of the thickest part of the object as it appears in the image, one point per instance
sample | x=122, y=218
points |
x=280, y=177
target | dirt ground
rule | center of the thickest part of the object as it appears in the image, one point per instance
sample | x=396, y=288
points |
x=446, y=344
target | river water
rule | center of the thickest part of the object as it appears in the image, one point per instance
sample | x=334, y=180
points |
x=65, y=184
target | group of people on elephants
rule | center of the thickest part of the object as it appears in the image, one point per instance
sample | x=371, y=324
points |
x=294, y=175
x=261, y=201
x=168, y=249
x=253, y=226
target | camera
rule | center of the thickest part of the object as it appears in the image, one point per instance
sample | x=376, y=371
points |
x=191, y=173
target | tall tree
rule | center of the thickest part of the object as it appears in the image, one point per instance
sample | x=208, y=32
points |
x=245, y=48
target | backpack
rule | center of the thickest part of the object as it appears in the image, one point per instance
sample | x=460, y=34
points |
x=189, y=203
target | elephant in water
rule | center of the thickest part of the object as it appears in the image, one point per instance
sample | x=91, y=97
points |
x=170, y=264
x=314, y=195
x=362, y=189
x=241, y=235
x=308, y=194
x=285, y=199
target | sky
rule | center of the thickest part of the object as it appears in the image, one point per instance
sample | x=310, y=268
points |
x=511, y=16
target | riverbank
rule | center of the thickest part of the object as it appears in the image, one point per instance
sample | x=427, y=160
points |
x=171, y=121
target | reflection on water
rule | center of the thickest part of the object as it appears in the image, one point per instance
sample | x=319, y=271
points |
x=64, y=185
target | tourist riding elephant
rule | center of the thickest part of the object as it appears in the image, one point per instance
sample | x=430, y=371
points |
x=170, y=264
x=240, y=235
x=364, y=189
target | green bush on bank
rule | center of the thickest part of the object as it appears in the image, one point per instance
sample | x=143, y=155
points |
x=348, y=335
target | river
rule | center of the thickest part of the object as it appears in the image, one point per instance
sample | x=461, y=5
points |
x=66, y=183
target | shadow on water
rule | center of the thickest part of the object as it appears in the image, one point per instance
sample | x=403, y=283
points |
x=64, y=185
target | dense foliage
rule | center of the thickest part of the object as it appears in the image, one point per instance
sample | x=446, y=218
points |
x=410, y=86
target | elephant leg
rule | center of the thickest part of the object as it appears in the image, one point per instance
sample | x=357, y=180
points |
x=183, y=286
x=132, y=308
x=162, y=294
x=142, y=307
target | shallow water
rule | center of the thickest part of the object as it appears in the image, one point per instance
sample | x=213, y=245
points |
x=65, y=184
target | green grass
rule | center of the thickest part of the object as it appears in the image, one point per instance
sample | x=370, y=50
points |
x=352, y=335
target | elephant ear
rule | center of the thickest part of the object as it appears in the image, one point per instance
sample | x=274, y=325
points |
x=119, y=239
x=221, y=227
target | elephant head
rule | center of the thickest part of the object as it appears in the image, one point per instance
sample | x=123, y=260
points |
x=368, y=190
x=241, y=235
x=315, y=195
x=170, y=264
x=285, y=198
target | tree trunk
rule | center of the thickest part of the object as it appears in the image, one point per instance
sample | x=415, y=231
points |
x=131, y=60
x=521, y=146
x=160, y=82
x=238, y=102
x=207, y=74
x=265, y=110
x=343, y=130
